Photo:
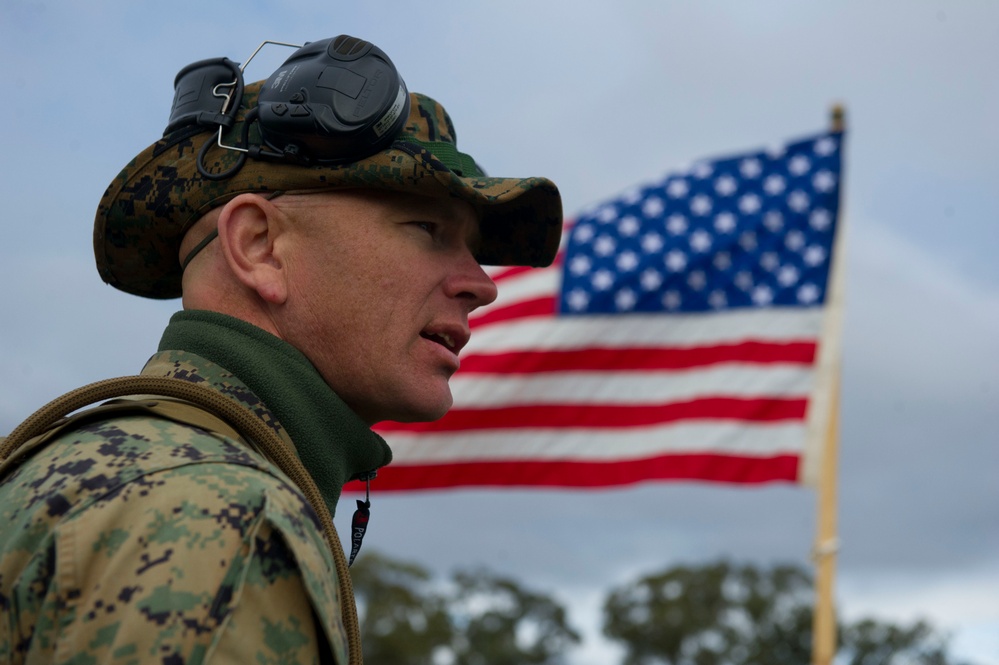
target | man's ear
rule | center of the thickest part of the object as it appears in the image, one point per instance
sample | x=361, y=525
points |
x=249, y=227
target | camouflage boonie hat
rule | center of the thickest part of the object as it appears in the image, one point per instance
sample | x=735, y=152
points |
x=148, y=208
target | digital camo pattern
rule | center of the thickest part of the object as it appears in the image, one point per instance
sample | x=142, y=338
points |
x=139, y=539
x=145, y=211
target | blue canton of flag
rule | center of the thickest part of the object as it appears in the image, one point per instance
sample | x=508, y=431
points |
x=754, y=230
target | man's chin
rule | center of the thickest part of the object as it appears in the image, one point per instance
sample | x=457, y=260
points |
x=427, y=415
x=423, y=412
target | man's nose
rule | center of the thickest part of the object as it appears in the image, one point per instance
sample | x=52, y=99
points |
x=469, y=282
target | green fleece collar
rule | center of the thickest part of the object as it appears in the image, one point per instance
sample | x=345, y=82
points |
x=334, y=444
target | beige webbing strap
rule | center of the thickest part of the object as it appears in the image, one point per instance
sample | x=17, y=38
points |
x=190, y=414
x=219, y=409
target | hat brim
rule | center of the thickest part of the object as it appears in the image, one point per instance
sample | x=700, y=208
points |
x=147, y=209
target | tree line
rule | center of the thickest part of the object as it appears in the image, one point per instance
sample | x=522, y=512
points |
x=719, y=613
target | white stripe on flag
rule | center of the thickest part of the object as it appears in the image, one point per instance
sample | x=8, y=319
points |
x=478, y=391
x=623, y=331
x=758, y=440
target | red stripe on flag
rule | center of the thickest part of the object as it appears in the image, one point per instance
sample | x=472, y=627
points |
x=591, y=415
x=518, y=310
x=510, y=273
x=531, y=362
x=513, y=473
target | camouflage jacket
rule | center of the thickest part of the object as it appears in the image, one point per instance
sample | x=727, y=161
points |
x=138, y=539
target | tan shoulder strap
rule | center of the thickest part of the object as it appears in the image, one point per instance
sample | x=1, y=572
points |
x=216, y=408
x=163, y=407
x=191, y=414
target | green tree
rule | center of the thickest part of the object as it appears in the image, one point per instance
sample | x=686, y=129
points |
x=501, y=623
x=871, y=642
x=475, y=619
x=712, y=615
x=403, y=616
x=724, y=614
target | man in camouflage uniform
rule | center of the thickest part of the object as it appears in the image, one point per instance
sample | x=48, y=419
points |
x=322, y=299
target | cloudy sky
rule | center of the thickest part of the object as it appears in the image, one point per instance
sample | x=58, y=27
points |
x=600, y=96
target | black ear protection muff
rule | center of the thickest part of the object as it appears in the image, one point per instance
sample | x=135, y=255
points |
x=333, y=101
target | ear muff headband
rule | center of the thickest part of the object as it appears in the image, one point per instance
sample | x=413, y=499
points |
x=333, y=101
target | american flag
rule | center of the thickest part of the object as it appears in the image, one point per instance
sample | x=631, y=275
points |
x=676, y=337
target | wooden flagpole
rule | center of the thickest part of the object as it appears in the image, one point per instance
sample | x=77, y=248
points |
x=826, y=545
x=824, y=640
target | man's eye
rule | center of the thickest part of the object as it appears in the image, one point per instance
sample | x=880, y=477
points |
x=429, y=227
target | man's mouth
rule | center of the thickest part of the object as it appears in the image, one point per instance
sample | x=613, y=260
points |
x=452, y=338
x=440, y=338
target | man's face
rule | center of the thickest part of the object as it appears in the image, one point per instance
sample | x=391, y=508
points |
x=380, y=287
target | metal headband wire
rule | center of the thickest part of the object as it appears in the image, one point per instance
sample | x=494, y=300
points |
x=228, y=95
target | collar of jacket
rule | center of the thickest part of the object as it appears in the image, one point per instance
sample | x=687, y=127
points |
x=279, y=384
